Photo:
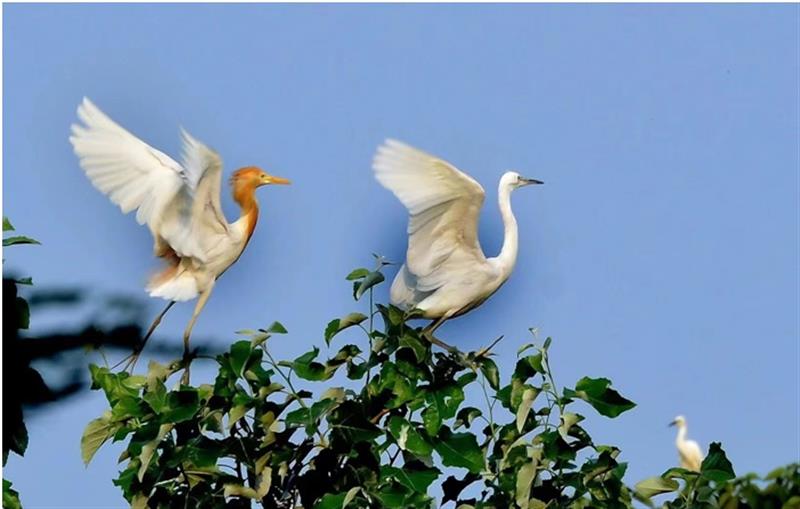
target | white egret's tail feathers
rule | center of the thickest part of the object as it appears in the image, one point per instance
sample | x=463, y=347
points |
x=173, y=285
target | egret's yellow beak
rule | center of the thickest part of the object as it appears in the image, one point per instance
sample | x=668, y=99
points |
x=272, y=179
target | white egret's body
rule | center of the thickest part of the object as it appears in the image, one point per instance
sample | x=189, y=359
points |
x=446, y=273
x=180, y=203
x=689, y=452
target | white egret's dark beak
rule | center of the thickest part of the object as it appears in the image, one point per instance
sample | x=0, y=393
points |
x=673, y=423
x=527, y=181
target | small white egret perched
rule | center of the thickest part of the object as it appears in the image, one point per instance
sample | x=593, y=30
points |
x=445, y=273
x=689, y=452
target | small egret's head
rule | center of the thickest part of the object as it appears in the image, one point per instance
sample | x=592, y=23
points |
x=679, y=421
x=255, y=177
x=514, y=180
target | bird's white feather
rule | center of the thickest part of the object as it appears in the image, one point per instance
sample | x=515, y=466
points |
x=443, y=204
x=181, y=287
x=690, y=454
x=446, y=272
x=180, y=204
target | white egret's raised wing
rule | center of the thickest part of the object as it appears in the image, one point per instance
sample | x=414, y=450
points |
x=136, y=176
x=133, y=174
x=443, y=204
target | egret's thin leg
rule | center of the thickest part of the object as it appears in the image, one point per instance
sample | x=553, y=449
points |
x=134, y=356
x=201, y=302
x=429, y=330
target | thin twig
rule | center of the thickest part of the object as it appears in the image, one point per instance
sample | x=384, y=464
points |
x=483, y=352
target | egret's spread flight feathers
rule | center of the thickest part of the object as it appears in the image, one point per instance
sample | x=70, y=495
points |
x=180, y=204
x=443, y=205
x=446, y=273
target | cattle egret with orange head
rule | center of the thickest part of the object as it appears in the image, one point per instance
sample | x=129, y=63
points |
x=179, y=202
x=446, y=273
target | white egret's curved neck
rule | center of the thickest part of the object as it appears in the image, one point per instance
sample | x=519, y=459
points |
x=508, y=254
x=681, y=433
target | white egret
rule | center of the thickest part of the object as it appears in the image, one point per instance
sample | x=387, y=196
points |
x=180, y=203
x=446, y=273
x=688, y=450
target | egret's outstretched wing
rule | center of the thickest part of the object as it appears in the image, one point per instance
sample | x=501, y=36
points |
x=443, y=204
x=180, y=204
x=193, y=223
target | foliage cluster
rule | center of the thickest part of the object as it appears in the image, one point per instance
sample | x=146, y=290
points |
x=16, y=317
x=398, y=428
x=390, y=426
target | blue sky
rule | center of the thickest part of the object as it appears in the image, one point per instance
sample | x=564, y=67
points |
x=662, y=251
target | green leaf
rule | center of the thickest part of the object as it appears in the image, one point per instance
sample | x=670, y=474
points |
x=7, y=227
x=568, y=419
x=409, y=438
x=338, y=325
x=338, y=500
x=490, y=371
x=597, y=392
x=24, y=281
x=308, y=369
x=277, y=328
x=446, y=400
x=236, y=413
x=680, y=473
x=655, y=485
x=524, y=348
x=149, y=449
x=309, y=416
x=182, y=405
x=397, y=496
x=348, y=425
x=127, y=408
x=465, y=416
x=432, y=420
x=419, y=349
x=19, y=437
x=525, y=407
x=370, y=280
x=240, y=353
x=525, y=476
x=528, y=366
x=466, y=379
x=23, y=312
x=357, y=274
x=460, y=450
x=115, y=385
x=157, y=374
x=10, y=496
x=19, y=239
x=415, y=480
x=716, y=465
x=96, y=433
